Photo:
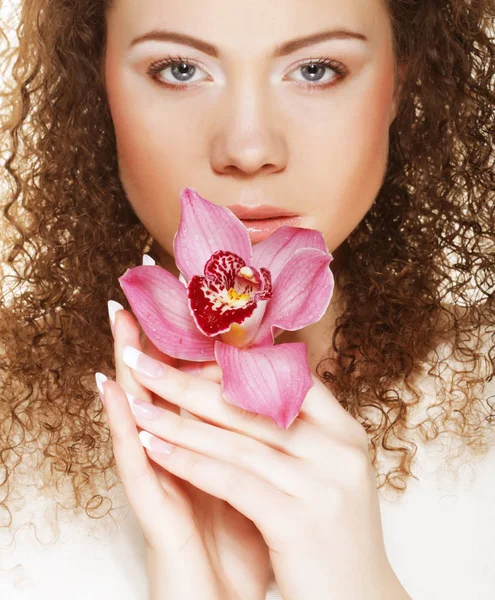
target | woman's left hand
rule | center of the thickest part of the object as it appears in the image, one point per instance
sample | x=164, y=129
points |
x=310, y=489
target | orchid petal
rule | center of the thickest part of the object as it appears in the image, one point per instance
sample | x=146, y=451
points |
x=205, y=228
x=159, y=301
x=269, y=380
x=276, y=250
x=301, y=294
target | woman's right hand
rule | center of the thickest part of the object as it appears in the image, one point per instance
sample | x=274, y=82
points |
x=198, y=546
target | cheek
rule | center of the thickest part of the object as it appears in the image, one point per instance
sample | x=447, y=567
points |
x=145, y=144
x=149, y=155
x=352, y=157
x=365, y=140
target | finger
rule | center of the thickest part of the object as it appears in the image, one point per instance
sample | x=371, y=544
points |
x=151, y=350
x=333, y=420
x=256, y=499
x=274, y=467
x=210, y=370
x=126, y=332
x=146, y=496
x=203, y=399
x=190, y=392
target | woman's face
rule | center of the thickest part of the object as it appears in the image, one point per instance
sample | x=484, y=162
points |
x=237, y=123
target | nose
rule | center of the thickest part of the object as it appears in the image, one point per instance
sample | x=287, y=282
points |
x=249, y=136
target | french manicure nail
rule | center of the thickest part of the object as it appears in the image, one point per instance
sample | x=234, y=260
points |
x=140, y=362
x=113, y=307
x=147, y=260
x=142, y=409
x=154, y=444
x=100, y=380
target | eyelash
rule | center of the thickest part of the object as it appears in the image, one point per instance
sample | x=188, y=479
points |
x=156, y=67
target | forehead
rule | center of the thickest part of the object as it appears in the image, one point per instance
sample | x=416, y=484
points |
x=236, y=26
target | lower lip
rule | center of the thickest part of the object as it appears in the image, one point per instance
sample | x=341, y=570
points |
x=260, y=229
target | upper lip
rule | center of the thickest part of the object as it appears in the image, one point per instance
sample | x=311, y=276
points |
x=263, y=211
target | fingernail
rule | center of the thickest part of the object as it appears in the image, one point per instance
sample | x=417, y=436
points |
x=142, y=409
x=140, y=362
x=147, y=260
x=113, y=307
x=155, y=444
x=100, y=380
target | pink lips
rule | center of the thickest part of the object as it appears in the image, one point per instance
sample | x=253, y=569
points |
x=260, y=211
x=259, y=229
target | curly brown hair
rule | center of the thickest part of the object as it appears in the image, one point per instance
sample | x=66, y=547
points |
x=417, y=274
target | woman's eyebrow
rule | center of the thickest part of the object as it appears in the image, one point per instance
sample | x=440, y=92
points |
x=163, y=35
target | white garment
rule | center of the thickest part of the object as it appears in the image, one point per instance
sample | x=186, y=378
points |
x=440, y=542
x=439, y=537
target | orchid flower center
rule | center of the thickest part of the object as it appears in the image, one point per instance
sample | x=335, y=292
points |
x=242, y=296
x=233, y=295
x=230, y=293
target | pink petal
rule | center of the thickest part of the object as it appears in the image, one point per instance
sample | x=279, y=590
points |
x=159, y=302
x=268, y=380
x=205, y=228
x=274, y=251
x=301, y=294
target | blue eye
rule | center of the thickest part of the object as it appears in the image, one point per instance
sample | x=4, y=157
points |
x=183, y=70
x=316, y=69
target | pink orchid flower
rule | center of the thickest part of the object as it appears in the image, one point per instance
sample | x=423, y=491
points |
x=231, y=301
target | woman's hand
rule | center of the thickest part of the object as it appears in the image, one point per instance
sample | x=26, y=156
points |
x=198, y=545
x=310, y=489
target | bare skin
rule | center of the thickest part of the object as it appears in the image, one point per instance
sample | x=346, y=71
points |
x=243, y=122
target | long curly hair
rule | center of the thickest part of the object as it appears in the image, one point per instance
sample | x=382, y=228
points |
x=417, y=274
